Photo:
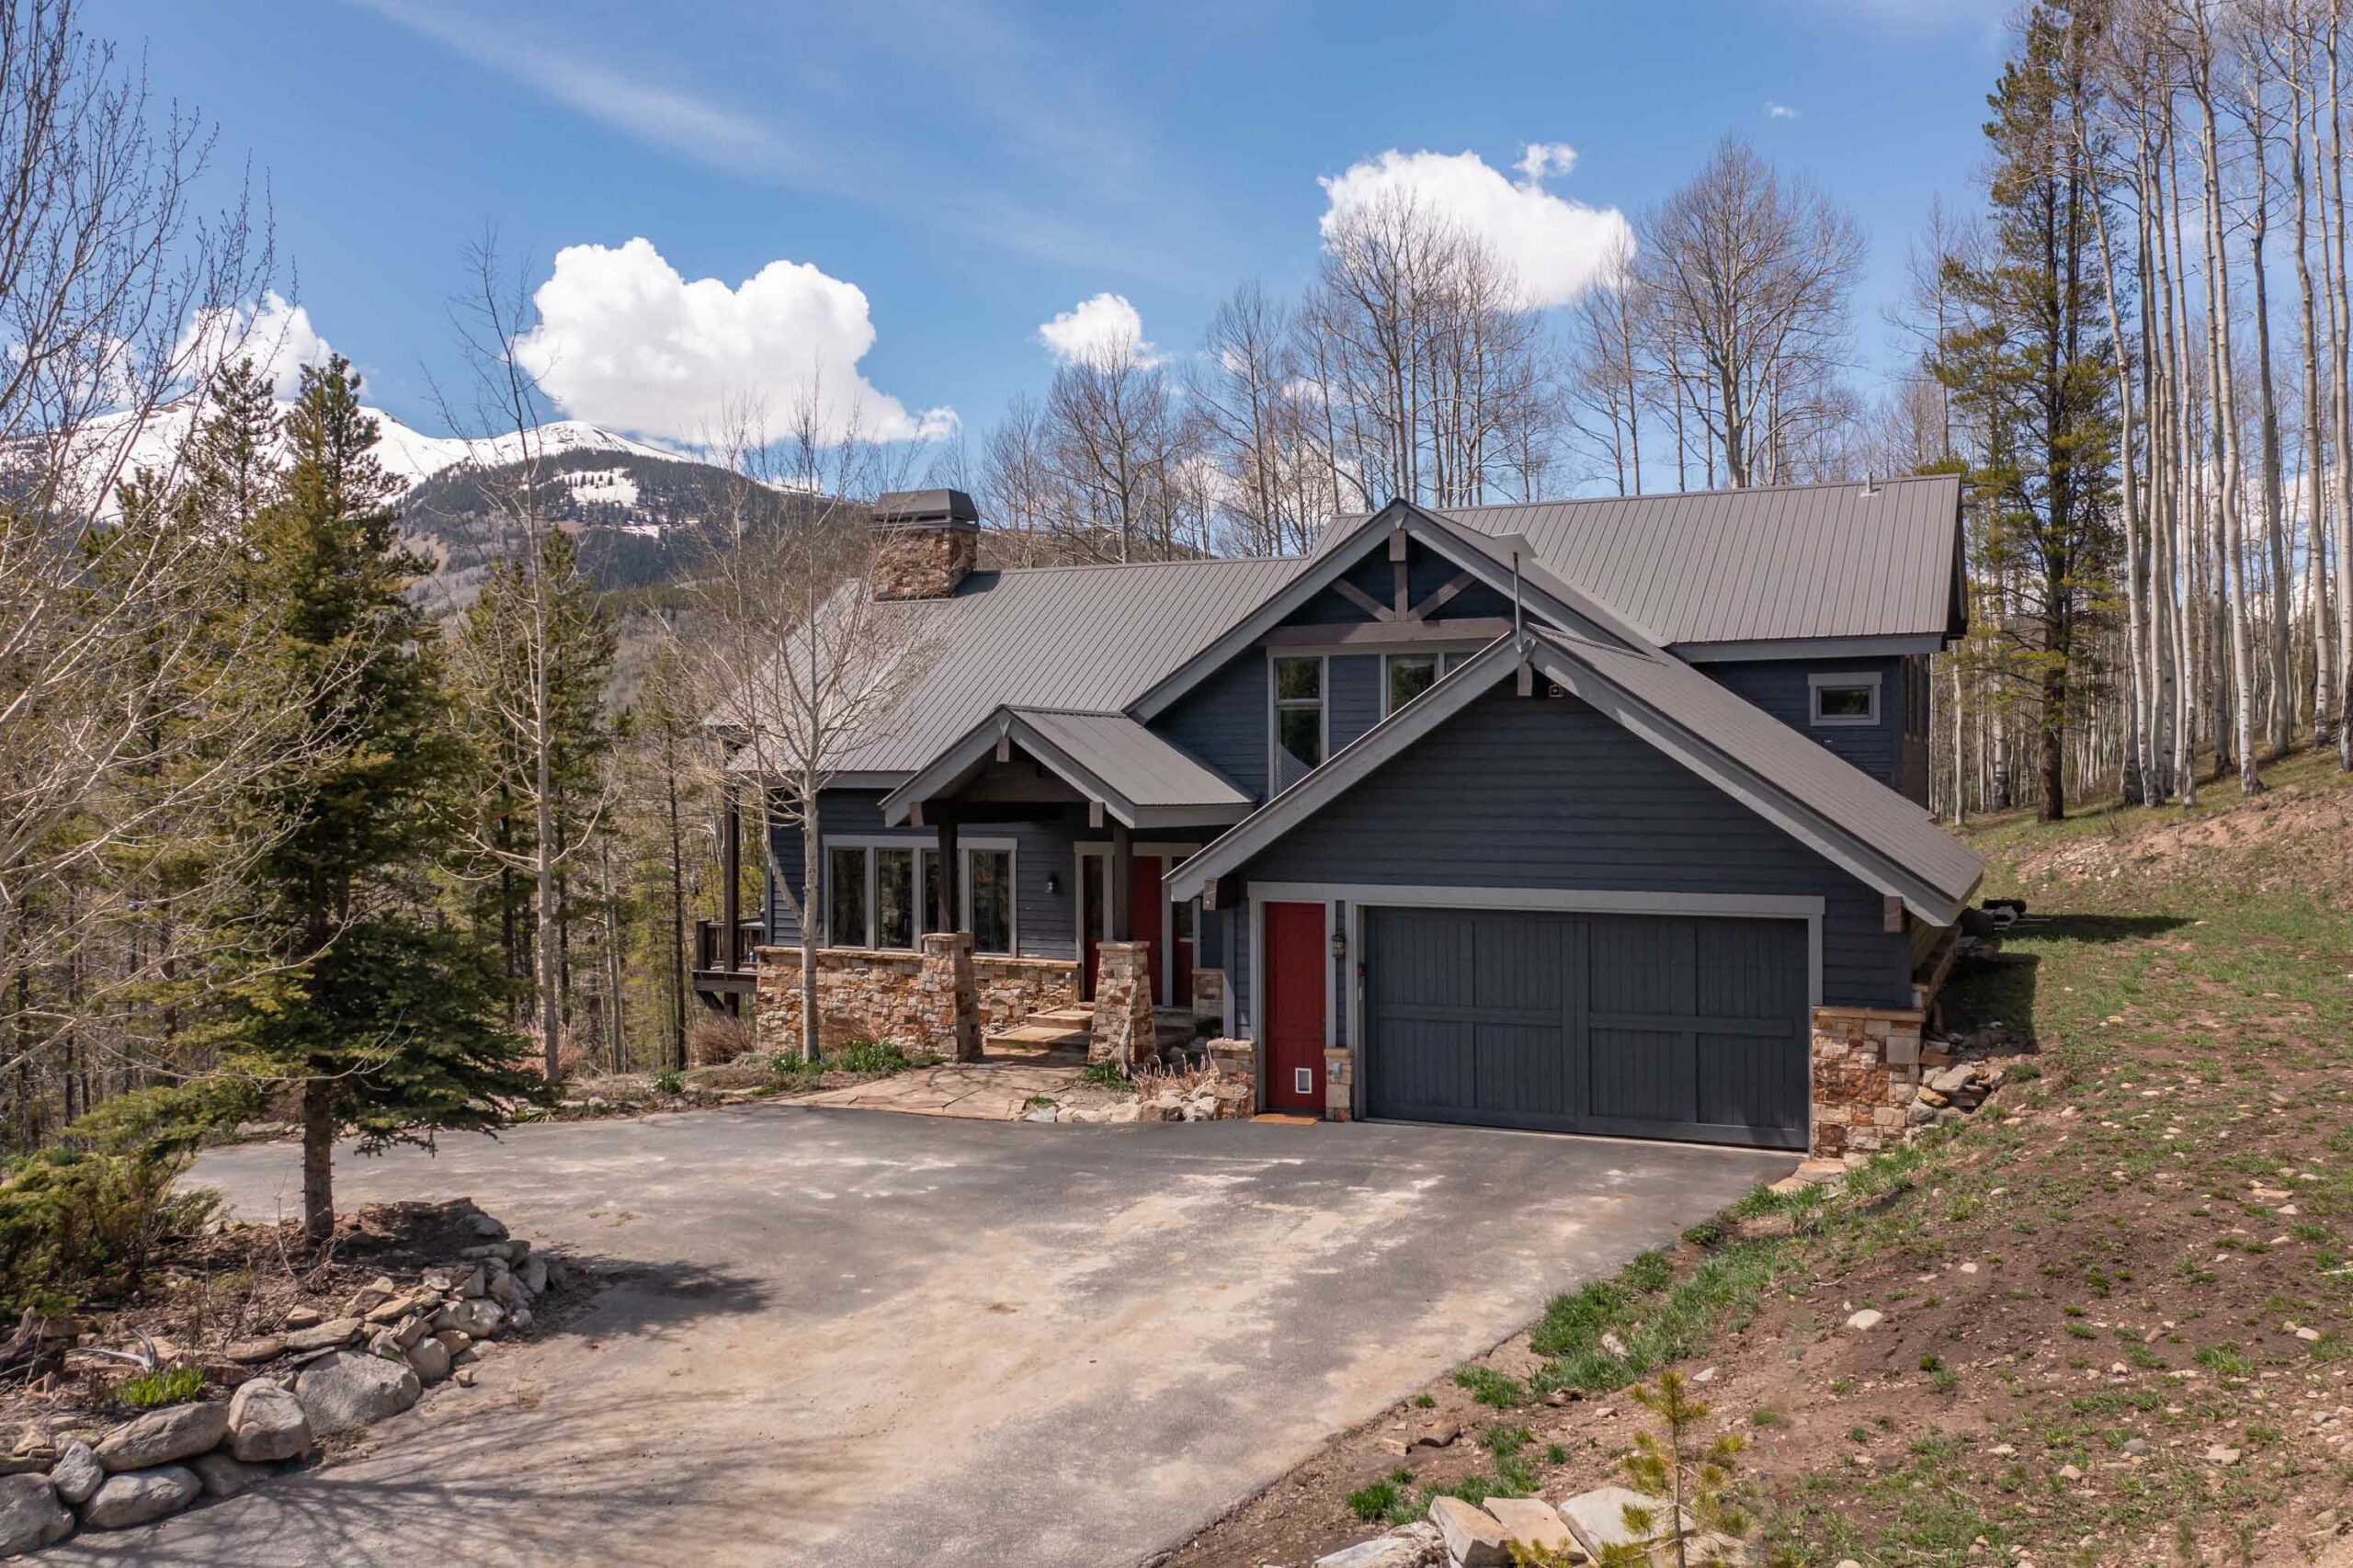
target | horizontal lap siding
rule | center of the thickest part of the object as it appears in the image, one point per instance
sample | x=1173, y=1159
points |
x=1223, y=722
x=1548, y=793
x=1783, y=688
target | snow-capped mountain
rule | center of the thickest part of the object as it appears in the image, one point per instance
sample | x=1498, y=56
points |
x=410, y=456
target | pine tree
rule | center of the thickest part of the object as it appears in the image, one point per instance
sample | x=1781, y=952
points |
x=384, y=1020
x=2034, y=368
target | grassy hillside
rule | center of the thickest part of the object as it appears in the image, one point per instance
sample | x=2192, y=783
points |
x=2118, y=1301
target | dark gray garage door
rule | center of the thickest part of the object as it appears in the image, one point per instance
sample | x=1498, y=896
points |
x=1653, y=1026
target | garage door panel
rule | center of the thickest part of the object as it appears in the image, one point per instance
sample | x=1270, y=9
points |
x=1640, y=1076
x=1658, y=1026
x=1640, y=964
x=1433, y=1064
x=1517, y=964
x=1744, y=970
x=1521, y=1068
x=1744, y=1080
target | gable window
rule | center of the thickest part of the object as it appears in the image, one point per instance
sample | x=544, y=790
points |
x=1844, y=699
x=1408, y=675
x=1298, y=717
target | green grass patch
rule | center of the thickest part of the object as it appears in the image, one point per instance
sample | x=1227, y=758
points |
x=164, y=1386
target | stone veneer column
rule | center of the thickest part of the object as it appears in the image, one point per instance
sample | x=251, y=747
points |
x=1864, y=1074
x=1339, y=1083
x=948, y=998
x=1123, y=1032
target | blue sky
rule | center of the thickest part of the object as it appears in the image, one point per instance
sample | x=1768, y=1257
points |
x=974, y=172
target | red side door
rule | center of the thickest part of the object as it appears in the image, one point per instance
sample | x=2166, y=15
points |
x=1294, y=1005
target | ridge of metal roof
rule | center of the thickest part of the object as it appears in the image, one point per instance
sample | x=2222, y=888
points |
x=1141, y=779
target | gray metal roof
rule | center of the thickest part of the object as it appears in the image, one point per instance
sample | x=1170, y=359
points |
x=1131, y=761
x=1089, y=639
x=1815, y=561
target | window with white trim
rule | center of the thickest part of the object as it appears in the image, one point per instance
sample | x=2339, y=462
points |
x=1405, y=677
x=1298, y=717
x=1839, y=699
x=886, y=895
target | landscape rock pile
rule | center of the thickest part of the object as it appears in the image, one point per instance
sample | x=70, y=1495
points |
x=317, y=1376
x=1583, y=1528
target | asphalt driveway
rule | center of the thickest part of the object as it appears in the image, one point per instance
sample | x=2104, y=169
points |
x=855, y=1337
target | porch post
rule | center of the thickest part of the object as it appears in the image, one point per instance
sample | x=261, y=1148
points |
x=944, y=918
x=1122, y=888
x=730, y=877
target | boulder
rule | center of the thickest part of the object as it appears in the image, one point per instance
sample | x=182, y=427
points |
x=1473, y=1539
x=409, y=1330
x=520, y=1320
x=139, y=1495
x=163, y=1436
x=1417, y=1545
x=268, y=1348
x=301, y=1317
x=1531, y=1522
x=325, y=1335
x=31, y=1514
x=456, y=1341
x=224, y=1477
x=76, y=1473
x=1952, y=1078
x=345, y=1392
x=1598, y=1518
x=266, y=1422
x=535, y=1274
x=429, y=1359
x=477, y=1317
x=1865, y=1321
x=370, y=1296
x=481, y=1224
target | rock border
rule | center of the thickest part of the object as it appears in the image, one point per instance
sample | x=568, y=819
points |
x=331, y=1377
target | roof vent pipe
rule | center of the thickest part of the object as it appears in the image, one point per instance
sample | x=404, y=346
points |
x=1871, y=484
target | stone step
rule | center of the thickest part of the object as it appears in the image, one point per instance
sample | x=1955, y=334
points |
x=1066, y=1018
x=1035, y=1033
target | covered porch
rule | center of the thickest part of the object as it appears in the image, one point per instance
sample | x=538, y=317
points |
x=1125, y=806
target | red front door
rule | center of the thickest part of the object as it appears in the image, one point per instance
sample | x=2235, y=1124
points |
x=1145, y=912
x=1294, y=1006
x=1144, y=909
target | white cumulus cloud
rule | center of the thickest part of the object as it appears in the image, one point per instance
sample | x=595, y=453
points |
x=1778, y=111
x=1557, y=247
x=275, y=336
x=624, y=339
x=1094, y=331
x=1543, y=158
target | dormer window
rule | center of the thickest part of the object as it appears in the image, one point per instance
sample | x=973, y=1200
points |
x=1848, y=700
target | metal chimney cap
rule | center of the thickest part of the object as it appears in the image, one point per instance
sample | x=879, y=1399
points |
x=926, y=509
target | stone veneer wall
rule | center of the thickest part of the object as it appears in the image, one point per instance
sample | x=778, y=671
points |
x=864, y=993
x=1866, y=1074
x=1339, y=1083
x=922, y=563
x=1209, y=993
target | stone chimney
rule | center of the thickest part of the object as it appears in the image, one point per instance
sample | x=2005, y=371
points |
x=925, y=543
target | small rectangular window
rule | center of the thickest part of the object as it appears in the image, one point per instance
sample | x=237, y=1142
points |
x=1410, y=675
x=846, y=898
x=1845, y=700
x=989, y=893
